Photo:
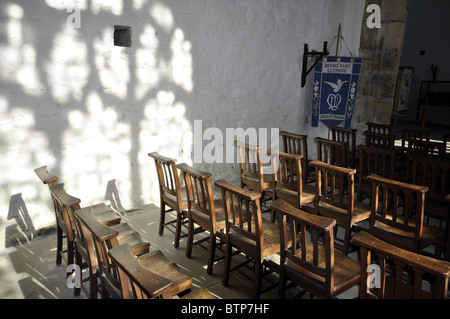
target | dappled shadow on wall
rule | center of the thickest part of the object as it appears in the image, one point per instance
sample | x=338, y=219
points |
x=86, y=108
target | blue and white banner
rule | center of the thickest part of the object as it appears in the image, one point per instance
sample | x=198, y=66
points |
x=335, y=86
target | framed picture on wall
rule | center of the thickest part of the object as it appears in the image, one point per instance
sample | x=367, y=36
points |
x=402, y=92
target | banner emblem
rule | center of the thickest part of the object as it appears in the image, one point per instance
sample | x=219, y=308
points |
x=335, y=86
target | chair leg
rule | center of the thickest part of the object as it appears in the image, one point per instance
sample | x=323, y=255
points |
x=281, y=286
x=59, y=244
x=92, y=285
x=227, y=264
x=162, y=218
x=211, y=253
x=178, y=230
x=258, y=278
x=346, y=247
x=79, y=262
x=190, y=238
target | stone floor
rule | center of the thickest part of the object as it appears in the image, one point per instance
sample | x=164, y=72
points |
x=28, y=271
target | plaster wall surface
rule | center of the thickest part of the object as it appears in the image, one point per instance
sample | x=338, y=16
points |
x=91, y=111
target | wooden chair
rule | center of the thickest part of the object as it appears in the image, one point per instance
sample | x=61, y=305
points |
x=313, y=264
x=346, y=135
x=172, y=198
x=80, y=247
x=139, y=282
x=252, y=174
x=203, y=210
x=335, y=198
x=427, y=149
x=434, y=174
x=63, y=232
x=106, y=238
x=378, y=140
x=379, y=128
x=248, y=232
x=398, y=214
x=413, y=134
x=297, y=144
x=331, y=152
x=289, y=183
x=378, y=281
x=373, y=161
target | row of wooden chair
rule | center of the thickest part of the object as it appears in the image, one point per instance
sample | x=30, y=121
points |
x=119, y=262
x=258, y=239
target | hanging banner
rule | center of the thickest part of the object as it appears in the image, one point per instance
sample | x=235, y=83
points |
x=335, y=86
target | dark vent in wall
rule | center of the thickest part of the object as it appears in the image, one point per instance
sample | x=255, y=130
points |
x=122, y=36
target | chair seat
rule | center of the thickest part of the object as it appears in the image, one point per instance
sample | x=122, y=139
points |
x=361, y=211
x=203, y=219
x=271, y=244
x=308, y=194
x=346, y=269
x=201, y=293
x=156, y=262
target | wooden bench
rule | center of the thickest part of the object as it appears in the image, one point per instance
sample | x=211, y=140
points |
x=139, y=282
x=107, y=238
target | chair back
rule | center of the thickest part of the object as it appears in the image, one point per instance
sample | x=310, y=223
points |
x=314, y=253
x=169, y=181
x=412, y=134
x=379, y=140
x=346, y=135
x=379, y=282
x=397, y=212
x=243, y=215
x=334, y=188
x=65, y=206
x=251, y=168
x=427, y=149
x=379, y=128
x=200, y=196
x=296, y=144
x=373, y=161
x=331, y=152
x=434, y=174
x=104, y=238
x=288, y=179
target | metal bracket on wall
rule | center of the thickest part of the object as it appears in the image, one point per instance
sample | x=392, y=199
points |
x=306, y=54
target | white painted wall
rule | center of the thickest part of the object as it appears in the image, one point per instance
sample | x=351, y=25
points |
x=92, y=111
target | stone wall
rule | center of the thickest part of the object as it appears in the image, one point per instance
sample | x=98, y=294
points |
x=381, y=50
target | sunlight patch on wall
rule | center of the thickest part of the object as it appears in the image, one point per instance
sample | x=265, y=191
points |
x=68, y=69
x=162, y=16
x=165, y=130
x=113, y=6
x=112, y=65
x=96, y=149
x=181, y=61
x=147, y=68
